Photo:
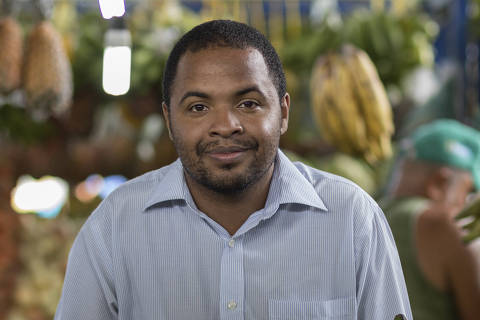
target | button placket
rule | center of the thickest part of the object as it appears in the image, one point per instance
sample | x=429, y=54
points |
x=232, y=280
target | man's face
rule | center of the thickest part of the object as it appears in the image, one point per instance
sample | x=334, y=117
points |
x=225, y=118
x=459, y=187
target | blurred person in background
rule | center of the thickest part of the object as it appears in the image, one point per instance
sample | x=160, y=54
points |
x=438, y=167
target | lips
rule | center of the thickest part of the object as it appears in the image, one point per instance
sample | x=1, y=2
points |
x=226, y=153
x=226, y=149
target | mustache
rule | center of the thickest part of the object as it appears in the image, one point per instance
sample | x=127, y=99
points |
x=229, y=145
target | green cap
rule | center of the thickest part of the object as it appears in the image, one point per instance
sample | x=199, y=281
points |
x=450, y=143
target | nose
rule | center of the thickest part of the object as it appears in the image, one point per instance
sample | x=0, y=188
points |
x=225, y=124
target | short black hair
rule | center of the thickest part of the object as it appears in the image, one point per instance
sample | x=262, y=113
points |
x=224, y=33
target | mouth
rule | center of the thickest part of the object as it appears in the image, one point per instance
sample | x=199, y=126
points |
x=227, y=154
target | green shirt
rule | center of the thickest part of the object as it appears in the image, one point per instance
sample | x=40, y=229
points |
x=427, y=301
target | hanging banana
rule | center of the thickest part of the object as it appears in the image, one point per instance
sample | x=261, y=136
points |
x=350, y=104
x=372, y=96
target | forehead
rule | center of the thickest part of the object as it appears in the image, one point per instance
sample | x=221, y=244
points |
x=221, y=68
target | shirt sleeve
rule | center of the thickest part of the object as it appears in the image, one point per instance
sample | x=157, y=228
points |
x=381, y=289
x=88, y=288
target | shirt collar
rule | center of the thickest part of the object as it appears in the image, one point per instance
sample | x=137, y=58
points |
x=288, y=185
x=171, y=186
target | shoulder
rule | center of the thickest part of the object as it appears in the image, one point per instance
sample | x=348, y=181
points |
x=332, y=186
x=439, y=235
x=435, y=222
x=342, y=196
x=318, y=178
x=131, y=196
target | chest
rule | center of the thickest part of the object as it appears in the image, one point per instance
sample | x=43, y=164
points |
x=281, y=269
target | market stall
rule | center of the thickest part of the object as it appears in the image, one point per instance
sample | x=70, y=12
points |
x=73, y=128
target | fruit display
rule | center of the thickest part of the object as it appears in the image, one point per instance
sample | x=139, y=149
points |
x=338, y=73
x=471, y=212
x=9, y=237
x=350, y=104
x=397, y=43
x=154, y=32
x=65, y=20
x=349, y=167
x=44, y=247
x=11, y=55
x=9, y=260
x=47, y=75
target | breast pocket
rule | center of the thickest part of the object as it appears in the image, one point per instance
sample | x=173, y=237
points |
x=338, y=309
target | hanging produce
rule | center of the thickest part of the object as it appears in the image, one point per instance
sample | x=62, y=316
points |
x=65, y=20
x=47, y=71
x=350, y=104
x=472, y=212
x=11, y=53
x=397, y=43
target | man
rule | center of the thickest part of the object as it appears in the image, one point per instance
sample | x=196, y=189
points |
x=233, y=229
x=440, y=166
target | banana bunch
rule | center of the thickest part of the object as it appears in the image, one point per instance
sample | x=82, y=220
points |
x=472, y=213
x=350, y=104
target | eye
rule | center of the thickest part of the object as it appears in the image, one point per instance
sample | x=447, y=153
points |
x=198, y=108
x=249, y=104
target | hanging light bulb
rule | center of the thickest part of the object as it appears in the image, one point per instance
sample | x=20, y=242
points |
x=117, y=58
x=112, y=8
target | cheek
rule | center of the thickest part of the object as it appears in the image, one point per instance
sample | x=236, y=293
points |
x=184, y=138
x=266, y=134
x=271, y=127
x=459, y=197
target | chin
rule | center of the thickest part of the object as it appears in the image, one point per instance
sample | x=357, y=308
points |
x=226, y=185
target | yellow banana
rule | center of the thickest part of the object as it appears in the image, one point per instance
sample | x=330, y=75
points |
x=348, y=108
x=386, y=146
x=379, y=148
x=471, y=209
x=372, y=96
x=336, y=127
x=328, y=116
x=350, y=105
x=317, y=88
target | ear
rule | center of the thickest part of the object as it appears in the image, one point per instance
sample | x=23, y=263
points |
x=285, y=109
x=167, y=119
x=437, y=184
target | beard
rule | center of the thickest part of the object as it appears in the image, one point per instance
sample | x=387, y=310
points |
x=224, y=180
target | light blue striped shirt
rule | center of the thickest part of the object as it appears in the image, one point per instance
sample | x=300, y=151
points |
x=319, y=249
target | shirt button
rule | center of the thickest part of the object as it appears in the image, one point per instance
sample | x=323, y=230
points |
x=231, y=305
x=231, y=243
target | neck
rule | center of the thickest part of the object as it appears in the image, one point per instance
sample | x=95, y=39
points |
x=231, y=210
x=411, y=179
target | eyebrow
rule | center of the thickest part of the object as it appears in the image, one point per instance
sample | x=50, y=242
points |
x=194, y=94
x=237, y=94
x=248, y=90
